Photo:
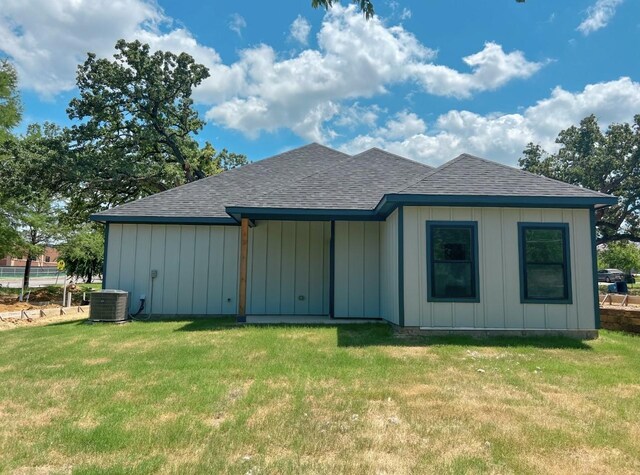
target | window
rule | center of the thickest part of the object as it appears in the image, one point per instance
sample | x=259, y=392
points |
x=452, y=261
x=47, y=258
x=545, y=268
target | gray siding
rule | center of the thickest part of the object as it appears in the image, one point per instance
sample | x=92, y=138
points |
x=389, y=269
x=357, y=269
x=288, y=268
x=197, y=267
x=499, y=306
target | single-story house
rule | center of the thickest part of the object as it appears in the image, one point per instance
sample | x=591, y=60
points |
x=470, y=245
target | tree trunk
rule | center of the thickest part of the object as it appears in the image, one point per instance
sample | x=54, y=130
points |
x=89, y=277
x=27, y=274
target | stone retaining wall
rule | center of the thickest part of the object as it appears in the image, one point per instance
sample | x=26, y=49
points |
x=621, y=319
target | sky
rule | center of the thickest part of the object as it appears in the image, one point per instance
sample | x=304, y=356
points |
x=426, y=79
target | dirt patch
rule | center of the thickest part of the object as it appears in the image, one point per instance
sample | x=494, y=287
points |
x=11, y=323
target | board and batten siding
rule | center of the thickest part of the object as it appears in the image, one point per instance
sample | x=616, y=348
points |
x=357, y=269
x=197, y=267
x=499, y=306
x=288, y=268
x=389, y=297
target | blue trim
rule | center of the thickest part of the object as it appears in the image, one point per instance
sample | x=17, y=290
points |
x=163, y=220
x=332, y=270
x=302, y=214
x=471, y=225
x=104, y=255
x=390, y=201
x=594, y=258
x=564, y=227
x=401, y=266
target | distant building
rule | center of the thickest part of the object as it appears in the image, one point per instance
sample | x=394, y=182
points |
x=47, y=259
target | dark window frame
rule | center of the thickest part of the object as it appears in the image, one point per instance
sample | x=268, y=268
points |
x=566, y=248
x=431, y=261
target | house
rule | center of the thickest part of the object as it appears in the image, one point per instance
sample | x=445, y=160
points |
x=471, y=245
x=47, y=259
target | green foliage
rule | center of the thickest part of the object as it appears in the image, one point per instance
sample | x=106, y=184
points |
x=365, y=6
x=10, y=105
x=608, y=162
x=136, y=129
x=620, y=255
x=83, y=253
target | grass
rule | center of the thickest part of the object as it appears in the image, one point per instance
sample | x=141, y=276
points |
x=211, y=397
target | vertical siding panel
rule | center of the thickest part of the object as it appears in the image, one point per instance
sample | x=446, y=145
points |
x=316, y=271
x=341, y=298
x=371, y=270
x=572, y=310
x=287, y=290
x=201, y=270
x=142, y=276
x=326, y=264
x=114, y=251
x=478, y=308
x=582, y=269
x=492, y=271
x=257, y=294
x=412, y=293
x=514, y=310
x=302, y=268
x=158, y=258
x=356, y=268
x=215, y=266
x=425, y=308
x=128, y=263
x=274, y=267
x=231, y=258
x=187, y=261
x=172, y=263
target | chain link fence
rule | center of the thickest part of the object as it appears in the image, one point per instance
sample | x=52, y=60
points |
x=18, y=272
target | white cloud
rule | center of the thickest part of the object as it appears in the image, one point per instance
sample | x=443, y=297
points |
x=261, y=91
x=502, y=137
x=355, y=59
x=598, y=16
x=237, y=23
x=47, y=39
x=492, y=68
x=300, y=29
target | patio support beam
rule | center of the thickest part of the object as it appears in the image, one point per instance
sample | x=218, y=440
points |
x=244, y=245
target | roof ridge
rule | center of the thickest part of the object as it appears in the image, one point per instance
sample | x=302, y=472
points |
x=432, y=172
x=226, y=173
x=285, y=186
x=394, y=155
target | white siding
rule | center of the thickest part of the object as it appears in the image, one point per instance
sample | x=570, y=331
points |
x=288, y=268
x=389, y=269
x=357, y=269
x=499, y=306
x=197, y=267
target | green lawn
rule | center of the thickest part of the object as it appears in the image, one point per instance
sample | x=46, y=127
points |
x=213, y=397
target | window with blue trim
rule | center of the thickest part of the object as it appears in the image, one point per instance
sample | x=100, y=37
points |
x=545, y=268
x=452, y=261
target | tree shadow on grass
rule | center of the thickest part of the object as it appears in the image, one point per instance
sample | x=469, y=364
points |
x=382, y=334
x=361, y=335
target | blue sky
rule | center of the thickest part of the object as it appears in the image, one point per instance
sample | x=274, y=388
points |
x=425, y=79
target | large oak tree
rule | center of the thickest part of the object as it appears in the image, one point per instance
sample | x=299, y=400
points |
x=607, y=161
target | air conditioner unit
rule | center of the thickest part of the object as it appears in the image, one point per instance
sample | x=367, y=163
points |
x=109, y=306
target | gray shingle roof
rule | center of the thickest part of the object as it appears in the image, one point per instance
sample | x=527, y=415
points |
x=208, y=198
x=358, y=182
x=475, y=176
x=315, y=177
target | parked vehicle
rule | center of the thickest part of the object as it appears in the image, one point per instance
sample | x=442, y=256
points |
x=610, y=275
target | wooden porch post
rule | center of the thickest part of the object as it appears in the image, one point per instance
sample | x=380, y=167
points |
x=244, y=244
